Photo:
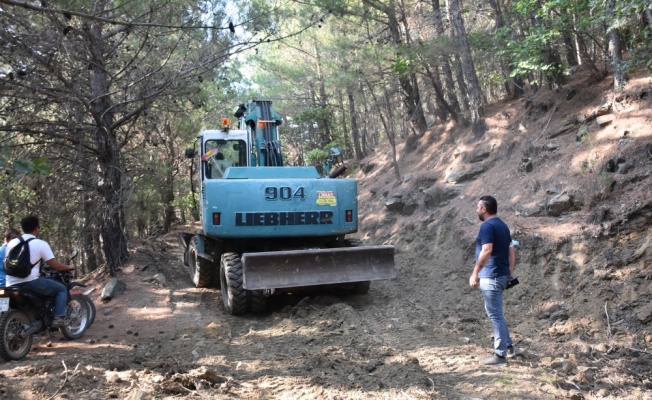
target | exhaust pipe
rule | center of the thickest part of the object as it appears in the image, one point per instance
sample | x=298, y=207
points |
x=35, y=327
x=337, y=172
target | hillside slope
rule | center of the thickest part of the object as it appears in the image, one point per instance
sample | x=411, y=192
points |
x=581, y=209
x=572, y=173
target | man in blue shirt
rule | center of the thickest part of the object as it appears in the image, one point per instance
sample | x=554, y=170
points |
x=494, y=261
x=9, y=234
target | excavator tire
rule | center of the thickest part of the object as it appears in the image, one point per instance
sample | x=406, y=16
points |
x=257, y=301
x=234, y=295
x=357, y=287
x=201, y=271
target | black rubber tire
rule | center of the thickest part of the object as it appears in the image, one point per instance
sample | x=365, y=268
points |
x=78, y=317
x=257, y=301
x=91, y=309
x=357, y=287
x=201, y=271
x=234, y=296
x=12, y=345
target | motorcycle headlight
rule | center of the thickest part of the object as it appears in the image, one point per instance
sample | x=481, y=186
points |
x=2, y=292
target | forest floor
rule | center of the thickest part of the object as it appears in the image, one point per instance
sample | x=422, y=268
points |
x=581, y=316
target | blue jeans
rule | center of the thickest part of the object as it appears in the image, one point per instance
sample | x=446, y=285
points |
x=50, y=288
x=492, y=291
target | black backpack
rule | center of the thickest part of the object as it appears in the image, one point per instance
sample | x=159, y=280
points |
x=17, y=262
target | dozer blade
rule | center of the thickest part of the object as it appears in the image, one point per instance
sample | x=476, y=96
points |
x=285, y=269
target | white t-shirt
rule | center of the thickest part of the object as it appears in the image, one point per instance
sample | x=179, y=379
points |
x=38, y=250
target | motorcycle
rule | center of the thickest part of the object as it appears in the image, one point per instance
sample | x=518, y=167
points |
x=24, y=313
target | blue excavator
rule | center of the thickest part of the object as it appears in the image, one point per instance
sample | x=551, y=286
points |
x=268, y=228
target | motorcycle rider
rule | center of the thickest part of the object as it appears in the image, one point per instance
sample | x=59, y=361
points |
x=39, y=250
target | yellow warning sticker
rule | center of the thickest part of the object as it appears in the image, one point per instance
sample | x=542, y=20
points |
x=326, y=198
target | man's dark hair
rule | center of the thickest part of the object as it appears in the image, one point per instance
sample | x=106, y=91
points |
x=11, y=232
x=29, y=223
x=490, y=204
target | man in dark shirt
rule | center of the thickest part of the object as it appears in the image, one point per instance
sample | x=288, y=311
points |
x=495, y=258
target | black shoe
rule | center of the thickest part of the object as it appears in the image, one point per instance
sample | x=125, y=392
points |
x=58, y=323
x=494, y=360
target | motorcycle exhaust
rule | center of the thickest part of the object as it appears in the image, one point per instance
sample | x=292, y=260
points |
x=35, y=327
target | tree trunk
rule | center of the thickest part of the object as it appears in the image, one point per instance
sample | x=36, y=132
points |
x=355, y=131
x=440, y=96
x=365, y=121
x=387, y=125
x=451, y=95
x=87, y=242
x=475, y=91
x=411, y=96
x=571, y=52
x=111, y=181
x=464, y=91
x=615, y=50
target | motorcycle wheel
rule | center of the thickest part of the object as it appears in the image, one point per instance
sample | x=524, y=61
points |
x=13, y=344
x=91, y=309
x=78, y=317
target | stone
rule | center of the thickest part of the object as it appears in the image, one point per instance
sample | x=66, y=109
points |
x=366, y=168
x=395, y=203
x=552, y=146
x=625, y=167
x=644, y=313
x=159, y=279
x=605, y=119
x=526, y=165
x=479, y=155
x=409, y=208
x=567, y=127
x=560, y=204
x=112, y=289
x=458, y=176
x=439, y=197
x=603, y=110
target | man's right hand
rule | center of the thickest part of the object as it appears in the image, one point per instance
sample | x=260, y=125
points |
x=474, y=282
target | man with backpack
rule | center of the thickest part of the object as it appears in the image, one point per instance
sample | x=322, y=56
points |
x=38, y=251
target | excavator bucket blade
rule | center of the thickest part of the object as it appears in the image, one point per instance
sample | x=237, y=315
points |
x=296, y=268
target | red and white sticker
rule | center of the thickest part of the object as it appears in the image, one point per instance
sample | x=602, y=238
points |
x=326, y=198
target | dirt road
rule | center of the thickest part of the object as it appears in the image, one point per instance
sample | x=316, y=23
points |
x=419, y=336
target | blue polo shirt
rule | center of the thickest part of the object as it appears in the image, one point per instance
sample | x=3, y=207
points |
x=495, y=231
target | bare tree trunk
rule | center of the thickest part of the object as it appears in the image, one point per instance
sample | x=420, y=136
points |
x=475, y=91
x=88, y=250
x=411, y=98
x=388, y=125
x=451, y=96
x=111, y=184
x=464, y=91
x=615, y=50
x=440, y=96
x=571, y=52
x=365, y=132
x=355, y=131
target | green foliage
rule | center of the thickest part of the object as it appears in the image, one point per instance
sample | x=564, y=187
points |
x=403, y=65
x=316, y=156
x=19, y=168
x=313, y=114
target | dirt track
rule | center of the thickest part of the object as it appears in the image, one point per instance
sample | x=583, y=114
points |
x=402, y=340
